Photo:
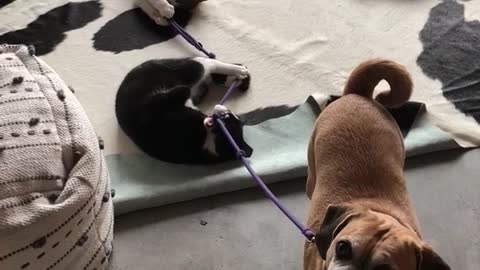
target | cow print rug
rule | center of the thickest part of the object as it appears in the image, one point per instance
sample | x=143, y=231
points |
x=292, y=49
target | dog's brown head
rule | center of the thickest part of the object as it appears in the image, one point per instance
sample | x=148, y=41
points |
x=352, y=238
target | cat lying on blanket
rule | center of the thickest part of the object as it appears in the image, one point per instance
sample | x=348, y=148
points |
x=150, y=108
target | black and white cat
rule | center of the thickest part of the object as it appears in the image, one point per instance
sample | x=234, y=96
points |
x=151, y=109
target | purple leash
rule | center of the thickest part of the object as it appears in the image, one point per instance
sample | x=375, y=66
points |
x=309, y=235
x=229, y=91
x=190, y=39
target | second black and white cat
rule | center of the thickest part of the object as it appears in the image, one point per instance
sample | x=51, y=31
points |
x=151, y=109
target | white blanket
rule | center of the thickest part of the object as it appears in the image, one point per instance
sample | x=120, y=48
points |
x=292, y=48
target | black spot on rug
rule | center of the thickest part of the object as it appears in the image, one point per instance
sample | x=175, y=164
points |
x=451, y=54
x=5, y=2
x=405, y=115
x=134, y=30
x=260, y=115
x=48, y=30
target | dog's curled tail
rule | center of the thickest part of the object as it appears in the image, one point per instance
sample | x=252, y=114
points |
x=368, y=74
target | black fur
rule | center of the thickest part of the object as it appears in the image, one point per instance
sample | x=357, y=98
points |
x=5, y=2
x=150, y=108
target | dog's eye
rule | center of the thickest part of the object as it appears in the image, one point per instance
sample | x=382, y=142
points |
x=382, y=267
x=343, y=250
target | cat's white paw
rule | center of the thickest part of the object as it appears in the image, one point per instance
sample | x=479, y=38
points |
x=241, y=72
x=218, y=109
x=161, y=21
x=158, y=10
x=166, y=10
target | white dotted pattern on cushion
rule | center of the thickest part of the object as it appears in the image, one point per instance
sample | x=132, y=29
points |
x=55, y=206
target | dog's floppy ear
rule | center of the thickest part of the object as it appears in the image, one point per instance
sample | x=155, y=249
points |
x=430, y=260
x=336, y=218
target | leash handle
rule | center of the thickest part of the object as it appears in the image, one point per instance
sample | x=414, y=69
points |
x=190, y=39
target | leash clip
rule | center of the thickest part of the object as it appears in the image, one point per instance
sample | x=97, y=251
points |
x=309, y=235
x=241, y=154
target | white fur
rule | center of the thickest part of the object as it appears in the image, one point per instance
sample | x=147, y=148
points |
x=219, y=109
x=214, y=66
x=336, y=265
x=210, y=142
x=189, y=103
x=218, y=67
x=157, y=10
x=321, y=99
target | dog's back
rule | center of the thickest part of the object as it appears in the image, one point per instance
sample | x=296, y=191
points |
x=356, y=159
x=362, y=138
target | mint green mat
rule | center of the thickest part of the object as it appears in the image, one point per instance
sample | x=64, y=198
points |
x=280, y=147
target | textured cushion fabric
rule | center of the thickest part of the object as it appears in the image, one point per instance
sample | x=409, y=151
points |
x=55, y=206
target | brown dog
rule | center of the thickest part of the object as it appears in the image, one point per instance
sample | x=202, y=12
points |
x=360, y=208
